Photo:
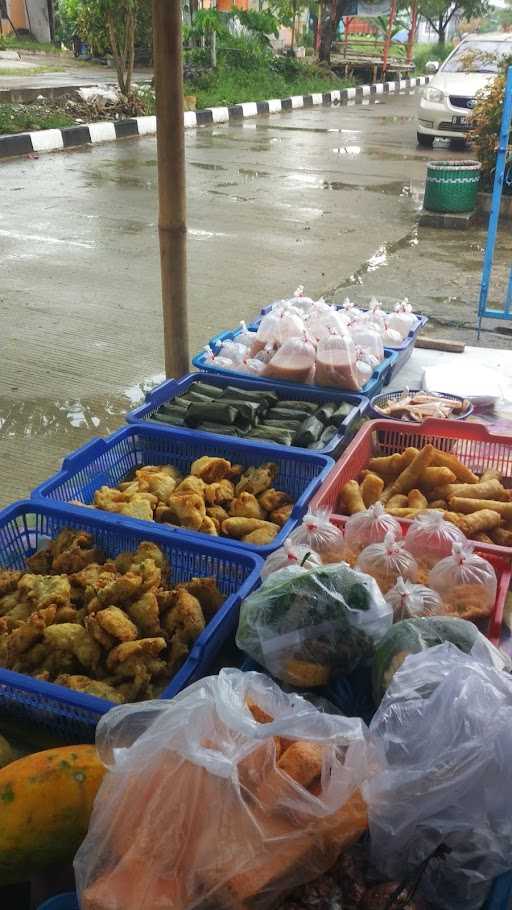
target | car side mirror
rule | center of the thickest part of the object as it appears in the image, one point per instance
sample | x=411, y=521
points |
x=432, y=67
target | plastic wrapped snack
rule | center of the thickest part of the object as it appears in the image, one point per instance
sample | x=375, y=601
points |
x=336, y=363
x=403, y=320
x=365, y=528
x=440, y=804
x=289, y=325
x=390, y=337
x=294, y=361
x=290, y=554
x=387, y=561
x=368, y=337
x=224, y=363
x=375, y=312
x=414, y=635
x=466, y=582
x=228, y=795
x=319, y=534
x=430, y=538
x=303, y=628
x=408, y=601
x=332, y=322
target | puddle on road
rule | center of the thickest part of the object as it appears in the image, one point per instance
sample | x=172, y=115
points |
x=379, y=259
x=40, y=417
x=234, y=196
x=350, y=150
x=207, y=167
x=393, y=188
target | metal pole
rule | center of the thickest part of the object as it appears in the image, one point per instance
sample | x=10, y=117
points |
x=494, y=217
x=172, y=225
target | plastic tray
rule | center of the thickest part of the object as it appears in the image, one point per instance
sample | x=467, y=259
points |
x=24, y=525
x=381, y=375
x=173, y=388
x=386, y=397
x=109, y=461
x=503, y=567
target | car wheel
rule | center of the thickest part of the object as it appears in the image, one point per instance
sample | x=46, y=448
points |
x=425, y=141
x=458, y=145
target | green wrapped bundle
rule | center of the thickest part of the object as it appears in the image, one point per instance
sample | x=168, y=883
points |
x=203, y=388
x=328, y=434
x=309, y=406
x=212, y=411
x=170, y=420
x=326, y=412
x=273, y=434
x=231, y=392
x=308, y=433
x=287, y=414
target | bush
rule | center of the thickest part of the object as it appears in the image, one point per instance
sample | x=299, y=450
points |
x=486, y=129
x=425, y=52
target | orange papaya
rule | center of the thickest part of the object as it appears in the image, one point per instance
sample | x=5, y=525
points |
x=46, y=801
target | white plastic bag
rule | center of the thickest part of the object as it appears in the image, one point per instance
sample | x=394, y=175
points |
x=336, y=363
x=387, y=561
x=225, y=363
x=368, y=527
x=203, y=799
x=466, y=582
x=390, y=337
x=430, y=538
x=294, y=361
x=408, y=601
x=403, y=320
x=376, y=313
x=317, y=533
x=367, y=337
x=290, y=554
x=444, y=731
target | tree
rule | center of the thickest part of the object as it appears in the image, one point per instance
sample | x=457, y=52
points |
x=287, y=12
x=439, y=13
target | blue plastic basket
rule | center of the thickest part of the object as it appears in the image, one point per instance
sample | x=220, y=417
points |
x=24, y=526
x=173, y=388
x=109, y=461
x=381, y=375
x=67, y=901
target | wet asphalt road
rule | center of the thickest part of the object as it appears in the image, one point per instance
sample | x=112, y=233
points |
x=327, y=197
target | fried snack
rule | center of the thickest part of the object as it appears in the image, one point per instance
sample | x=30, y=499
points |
x=188, y=509
x=501, y=536
x=408, y=479
x=74, y=638
x=206, y=592
x=40, y=563
x=238, y=527
x=247, y=506
x=270, y=500
x=257, y=480
x=467, y=506
x=468, y=601
x=398, y=501
x=209, y=526
x=417, y=500
x=436, y=477
x=484, y=538
x=98, y=633
x=371, y=489
x=484, y=520
x=351, y=498
x=145, y=614
x=438, y=504
x=8, y=581
x=302, y=673
x=408, y=512
x=490, y=490
x=186, y=618
x=490, y=474
x=262, y=536
x=115, y=622
x=281, y=516
x=390, y=466
x=141, y=649
x=90, y=687
x=161, y=485
x=43, y=590
x=210, y=469
x=258, y=713
x=462, y=473
x=140, y=509
x=302, y=761
x=191, y=484
x=219, y=492
x=217, y=514
x=109, y=499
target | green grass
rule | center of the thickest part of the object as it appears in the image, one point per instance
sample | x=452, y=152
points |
x=425, y=52
x=29, y=70
x=17, y=118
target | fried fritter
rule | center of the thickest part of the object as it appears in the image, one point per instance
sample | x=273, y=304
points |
x=246, y=506
x=280, y=516
x=161, y=485
x=69, y=538
x=270, y=500
x=109, y=499
x=8, y=581
x=74, y=638
x=239, y=527
x=139, y=650
x=75, y=559
x=90, y=687
x=178, y=652
x=209, y=527
x=28, y=634
x=262, y=536
x=206, y=592
x=66, y=614
x=218, y=514
x=11, y=602
x=42, y=590
x=122, y=588
x=210, y=469
x=221, y=491
x=191, y=485
x=115, y=622
x=140, y=509
x=186, y=618
x=257, y=480
x=40, y=563
x=97, y=632
x=187, y=509
x=145, y=614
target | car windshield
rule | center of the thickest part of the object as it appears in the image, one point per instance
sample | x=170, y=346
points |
x=478, y=57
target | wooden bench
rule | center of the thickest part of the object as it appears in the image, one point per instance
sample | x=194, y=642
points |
x=369, y=54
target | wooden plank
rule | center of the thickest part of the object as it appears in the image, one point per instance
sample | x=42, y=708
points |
x=440, y=344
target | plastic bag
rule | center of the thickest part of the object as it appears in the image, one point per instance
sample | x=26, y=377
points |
x=336, y=365
x=246, y=336
x=289, y=325
x=304, y=628
x=430, y=538
x=387, y=561
x=408, y=601
x=233, y=351
x=225, y=363
x=444, y=731
x=332, y=322
x=294, y=361
x=376, y=313
x=319, y=534
x=414, y=635
x=227, y=795
x=390, y=337
x=365, y=528
x=466, y=582
x=367, y=337
x=288, y=555
x=403, y=320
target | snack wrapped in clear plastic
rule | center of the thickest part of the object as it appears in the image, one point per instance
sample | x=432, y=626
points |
x=290, y=554
x=403, y=320
x=365, y=528
x=228, y=795
x=466, y=582
x=294, y=361
x=430, y=538
x=376, y=313
x=408, y=601
x=224, y=363
x=304, y=628
x=317, y=533
x=390, y=337
x=336, y=363
x=387, y=561
x=368, y=337
x=289, y=325
x=333, y=322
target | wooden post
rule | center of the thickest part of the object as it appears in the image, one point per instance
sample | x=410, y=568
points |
x=172, y=227
x=387, y=42
x=411, y=38
x=319, y=26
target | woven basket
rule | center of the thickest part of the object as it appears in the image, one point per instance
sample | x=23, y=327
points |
x=451, y=186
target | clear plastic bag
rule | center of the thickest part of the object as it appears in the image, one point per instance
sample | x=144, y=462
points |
x=376, y=313
x=444, y=731
x=290, y=554
x=387, y=561
x=294, y=361
x=365, y=528
x=245, y=336
x=403, y=320
x=225, y=363
x=234, y=351
x=466, y=582
x=290, y=325
x=228, y=795
x=333, y=322
x=336, y=363
x=390, y=337
x=367, y=337
x=304, y=628
x=408, y=601
x=319, y=534
x=430, y=538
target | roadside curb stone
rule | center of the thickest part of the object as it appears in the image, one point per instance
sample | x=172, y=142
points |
x=15, y=145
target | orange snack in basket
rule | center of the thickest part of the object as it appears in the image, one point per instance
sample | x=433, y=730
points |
x=351, y=497
x=417, y=500
x=410, y=476
x=462, y=473
x=371, y=489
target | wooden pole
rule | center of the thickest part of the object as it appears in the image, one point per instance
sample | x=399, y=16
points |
x=389, y=29
x=172, y=226
x=411, y=38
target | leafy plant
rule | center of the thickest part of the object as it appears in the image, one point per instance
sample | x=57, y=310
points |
x=259, y=24
x=486, y=128
x=439, y=13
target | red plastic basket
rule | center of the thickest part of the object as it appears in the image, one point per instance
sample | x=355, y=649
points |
x=503, y=567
